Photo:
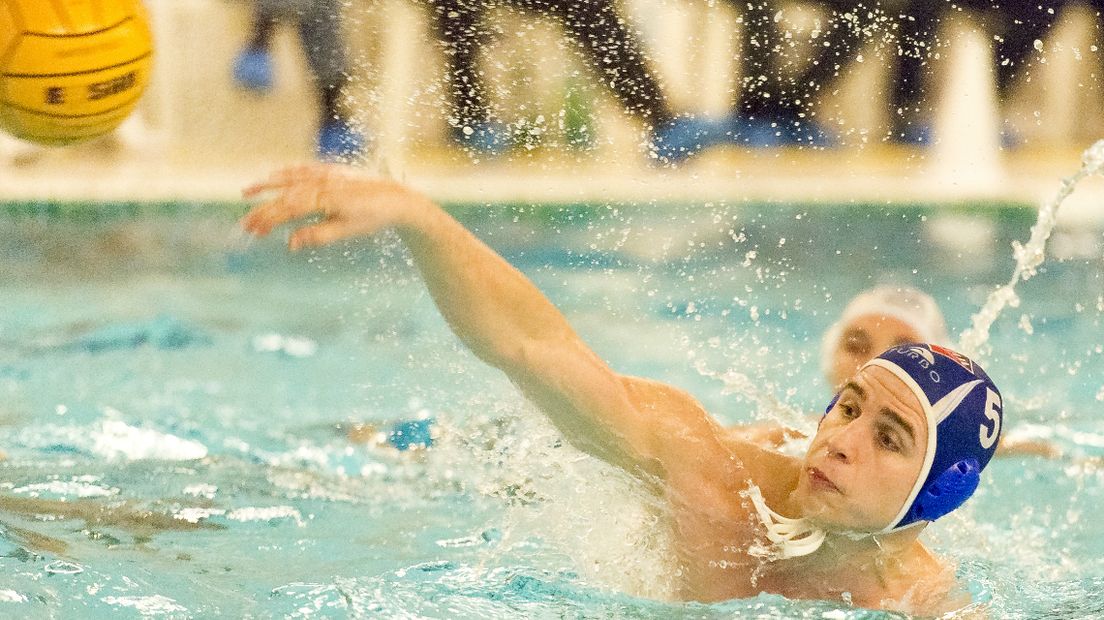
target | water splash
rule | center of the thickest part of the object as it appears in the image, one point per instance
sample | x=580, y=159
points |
x=514, y=459
x=1028, y=257
x=766, y=403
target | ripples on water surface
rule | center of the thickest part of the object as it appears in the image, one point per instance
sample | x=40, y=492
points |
x=188, y=394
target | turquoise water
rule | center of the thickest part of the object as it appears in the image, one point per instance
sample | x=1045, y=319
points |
x=153, y=360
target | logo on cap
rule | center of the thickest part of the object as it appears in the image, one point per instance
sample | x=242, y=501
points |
x=962, y=360
x=923, y=358
x=924, y=353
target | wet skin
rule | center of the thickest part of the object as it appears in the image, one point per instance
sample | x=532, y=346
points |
x=866, y=455
x=863, y=338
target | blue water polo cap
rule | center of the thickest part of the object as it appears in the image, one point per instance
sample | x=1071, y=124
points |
x=964, y=413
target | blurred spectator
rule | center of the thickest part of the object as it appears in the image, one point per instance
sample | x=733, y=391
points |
x=781, y=78
x=594, y=26
x=319, y=23
x=1014, y=26
x=778, y=89
x=1017, y=29
x=1025, y=27
x=911, y=29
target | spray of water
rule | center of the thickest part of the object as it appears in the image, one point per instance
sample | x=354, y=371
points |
x=558, y=508
x=767, y=404
x=1028, y=257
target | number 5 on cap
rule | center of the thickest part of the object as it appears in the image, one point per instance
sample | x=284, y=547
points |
x=992, y=411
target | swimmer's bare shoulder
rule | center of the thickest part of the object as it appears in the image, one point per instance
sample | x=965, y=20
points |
x=691, y=444
x=923, y=584
x=708, y=471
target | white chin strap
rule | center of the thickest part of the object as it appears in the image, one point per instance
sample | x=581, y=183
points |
x=790, y=538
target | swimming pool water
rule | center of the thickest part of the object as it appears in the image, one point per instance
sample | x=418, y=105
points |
x=154, y=360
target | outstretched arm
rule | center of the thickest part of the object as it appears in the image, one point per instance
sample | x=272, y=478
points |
x=504, y=319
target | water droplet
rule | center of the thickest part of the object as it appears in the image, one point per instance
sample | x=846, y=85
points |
x=1025, y=325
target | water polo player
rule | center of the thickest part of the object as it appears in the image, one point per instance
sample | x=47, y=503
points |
x=875, y=320
x=902, y=444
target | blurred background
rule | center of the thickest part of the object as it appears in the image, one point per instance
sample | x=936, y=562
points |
x=701, y=186
x=543, y=100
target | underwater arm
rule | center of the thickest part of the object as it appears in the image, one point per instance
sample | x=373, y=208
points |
x=504, y=319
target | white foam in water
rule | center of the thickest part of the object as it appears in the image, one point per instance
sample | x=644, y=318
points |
x=611, y=531
x=115, y=440
x=267, y=513
x=11, y=596
x=1028, y=257
x=739, y=383
x=291, y=346
x=119, y=440
x=195, y=515
x=201, y=490
x=71, y=488
x=61, y=567
x=146, y=605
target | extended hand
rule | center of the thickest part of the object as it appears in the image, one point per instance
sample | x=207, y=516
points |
x=351, y=204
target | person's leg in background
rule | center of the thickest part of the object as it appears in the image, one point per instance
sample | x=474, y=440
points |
x=1097, y=54
x=1023, y=24
x=777, y=87
x=910, y=110
x=320, y=31
x=253, y=65
x=460, y=32
x=780, y=88
x=1014, y=26
x=761, y=88
x=613, y=52
x=594, y=26
x=779, y=84
x=752, y=119
x=319, y=24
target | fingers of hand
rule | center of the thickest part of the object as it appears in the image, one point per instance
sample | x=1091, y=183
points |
x=297, y=174
x=293, y=200
x=317, y=235
x=261, y=219
x=277, y=180
x=290, y=176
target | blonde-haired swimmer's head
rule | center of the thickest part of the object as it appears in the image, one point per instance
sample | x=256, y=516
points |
x=874, y=321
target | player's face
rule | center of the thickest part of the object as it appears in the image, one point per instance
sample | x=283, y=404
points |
x=866, y=455
x=861, y=339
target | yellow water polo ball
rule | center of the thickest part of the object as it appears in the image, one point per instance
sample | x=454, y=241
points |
x=71, y=70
